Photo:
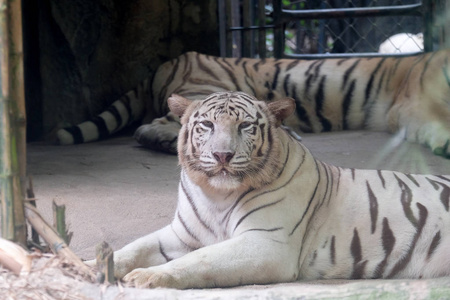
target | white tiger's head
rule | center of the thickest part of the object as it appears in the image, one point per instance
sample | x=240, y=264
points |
x=228, y=140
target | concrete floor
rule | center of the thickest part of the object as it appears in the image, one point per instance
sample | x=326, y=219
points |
x=116, y=191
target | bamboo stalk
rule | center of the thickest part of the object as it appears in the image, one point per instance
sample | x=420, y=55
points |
x=51, y=237
x=59, y=222
x=30, y=195
x=59, y=219
x=12, y=123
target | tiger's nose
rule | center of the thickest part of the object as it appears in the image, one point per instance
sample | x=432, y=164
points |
x=223, y=157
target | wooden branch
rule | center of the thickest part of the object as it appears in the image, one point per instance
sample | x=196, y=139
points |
x=105, y=263
x=56, y=243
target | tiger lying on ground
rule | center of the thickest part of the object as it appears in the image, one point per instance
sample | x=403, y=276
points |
x=382, y=93
x=255, y=207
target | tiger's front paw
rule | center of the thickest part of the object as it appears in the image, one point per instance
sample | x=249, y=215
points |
x=152, y=278
x=160, y=135
x=434, y=135
x=440, y=144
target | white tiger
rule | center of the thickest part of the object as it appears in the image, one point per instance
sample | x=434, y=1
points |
x=255, y=207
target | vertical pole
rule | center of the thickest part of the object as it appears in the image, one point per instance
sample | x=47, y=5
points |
x=278, y=32
x=236, y=22
x=222, y=27
x=262, y=31
x=229, y=23
x=247, y=34
x=446, y=24
x=12, y=123
x=442, y=24
x=428, y=10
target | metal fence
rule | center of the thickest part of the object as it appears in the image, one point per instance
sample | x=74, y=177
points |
x=325, y=28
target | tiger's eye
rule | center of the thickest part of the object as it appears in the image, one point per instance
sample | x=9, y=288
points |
x=207, y=124
x=245, y=125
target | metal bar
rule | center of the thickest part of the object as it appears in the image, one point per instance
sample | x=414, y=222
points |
x=299, y=33
x=441, y=24
x=246, y=22
x=237, y=37
x=253, y=8
x=412, y=9
x=428, y=21
x=262, y=28
x=228, y=23
x=222, y=27
x=278, y=32
x=348, y=55
x=322, y=38
x=242, y=28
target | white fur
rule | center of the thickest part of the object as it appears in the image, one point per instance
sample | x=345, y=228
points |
x=402, y=43
x=286, y=230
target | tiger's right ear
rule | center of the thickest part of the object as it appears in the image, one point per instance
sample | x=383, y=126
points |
x=282, y=109
x=178, y=104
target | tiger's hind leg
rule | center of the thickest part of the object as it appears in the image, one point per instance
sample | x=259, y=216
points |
x=421, y=105
x=161, y=134
x=425, y=122
x=437, y=137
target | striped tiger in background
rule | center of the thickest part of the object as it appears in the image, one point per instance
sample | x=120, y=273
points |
x=380, y=93
x=255, y=207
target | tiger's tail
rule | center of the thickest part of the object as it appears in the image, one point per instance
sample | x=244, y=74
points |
x=124, y=111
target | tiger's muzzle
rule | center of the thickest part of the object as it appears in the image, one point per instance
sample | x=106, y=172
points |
x=223, y=157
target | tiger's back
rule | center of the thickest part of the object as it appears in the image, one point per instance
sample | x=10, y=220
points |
x=330, y=94
x=379, y=93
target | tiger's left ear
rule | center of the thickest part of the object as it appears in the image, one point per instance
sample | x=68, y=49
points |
x=178, y=104
x=282, y=109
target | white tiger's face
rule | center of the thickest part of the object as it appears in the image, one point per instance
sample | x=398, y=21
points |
x=227, y=142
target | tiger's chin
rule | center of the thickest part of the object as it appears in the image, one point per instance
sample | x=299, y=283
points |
x=224, y=181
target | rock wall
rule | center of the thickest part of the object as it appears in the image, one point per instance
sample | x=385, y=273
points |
x=92, y=51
